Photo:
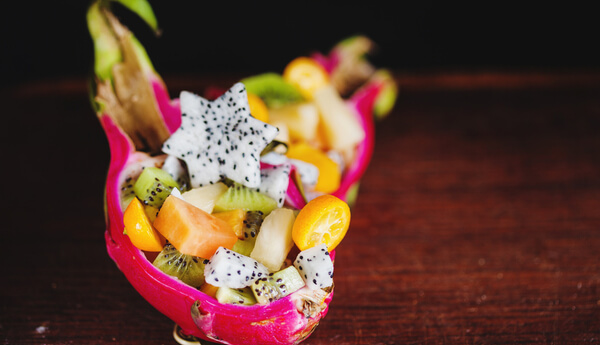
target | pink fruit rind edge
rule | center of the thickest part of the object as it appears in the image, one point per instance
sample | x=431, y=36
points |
x=277, y=323
x=362, y=103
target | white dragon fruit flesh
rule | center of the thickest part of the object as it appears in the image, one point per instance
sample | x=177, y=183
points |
x=315, y=267
x=227, y=268
x=274, y=181
x=176, y=168
x=309, y=173
x=229, y=147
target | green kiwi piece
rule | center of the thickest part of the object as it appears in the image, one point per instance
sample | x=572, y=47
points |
x=153, y=186
x=244, y=247
x=272, y=89
x=277, y=285
x=252, y=224
x=239, y=196
x=235, y=296
x=189, y=269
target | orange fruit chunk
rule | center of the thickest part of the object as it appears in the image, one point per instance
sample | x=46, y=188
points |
x=324, y=220
x=306, y=74
x=139, y=228
x=191, y=230
x=258, y=108
x=210, y=290
x=329, y=171
x=235, y=219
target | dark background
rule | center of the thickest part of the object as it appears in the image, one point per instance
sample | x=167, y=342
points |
x=44, y=40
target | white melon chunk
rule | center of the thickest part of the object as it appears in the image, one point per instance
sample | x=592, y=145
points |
x=301, y=119
x=274, y=239
x=205, y=197
x=341, y=127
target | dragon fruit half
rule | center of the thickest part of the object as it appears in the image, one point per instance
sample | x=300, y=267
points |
x=122, y=69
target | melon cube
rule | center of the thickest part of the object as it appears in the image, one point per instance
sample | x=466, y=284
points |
x=341, y=127
x=274, y=241
x=301, y=119
x=205, y=197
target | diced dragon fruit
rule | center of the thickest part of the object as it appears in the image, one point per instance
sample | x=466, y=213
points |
x=230, y=269
x=274, y=181
x=315, y=267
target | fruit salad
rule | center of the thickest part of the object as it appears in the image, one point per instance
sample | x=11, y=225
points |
x=224, y=209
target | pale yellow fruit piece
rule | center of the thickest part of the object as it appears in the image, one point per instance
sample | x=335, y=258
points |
x=341, y=127
x=274, y=240
x=205, y=197
x=301, y=119
x=284, y=132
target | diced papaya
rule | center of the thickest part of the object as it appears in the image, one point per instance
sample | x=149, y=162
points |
x=191, y=230
x=139, y=228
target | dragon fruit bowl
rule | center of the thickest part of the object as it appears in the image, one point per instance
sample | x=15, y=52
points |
x=148, y=131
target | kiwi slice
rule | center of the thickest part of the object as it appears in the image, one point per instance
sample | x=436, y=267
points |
x=189, y=269
x=235, y=296
x=153, y=186
x=252, y=224
x=250, y=227
x=277, y=285
x=243, y=247
x=272, y=89
x=240, y=196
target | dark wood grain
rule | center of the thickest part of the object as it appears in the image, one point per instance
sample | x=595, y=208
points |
x=478, y=221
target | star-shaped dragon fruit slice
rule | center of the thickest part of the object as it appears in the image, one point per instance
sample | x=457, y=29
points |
x=220, y=138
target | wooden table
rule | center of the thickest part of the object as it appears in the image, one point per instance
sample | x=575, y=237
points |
x=478, y=221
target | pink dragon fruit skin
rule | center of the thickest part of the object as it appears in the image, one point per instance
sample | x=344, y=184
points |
x=362, y=104
x=196, y=313
x=169, y=109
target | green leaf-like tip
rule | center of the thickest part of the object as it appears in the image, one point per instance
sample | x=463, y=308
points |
x=385, y=101
x=107, y=51
x=143, y=9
